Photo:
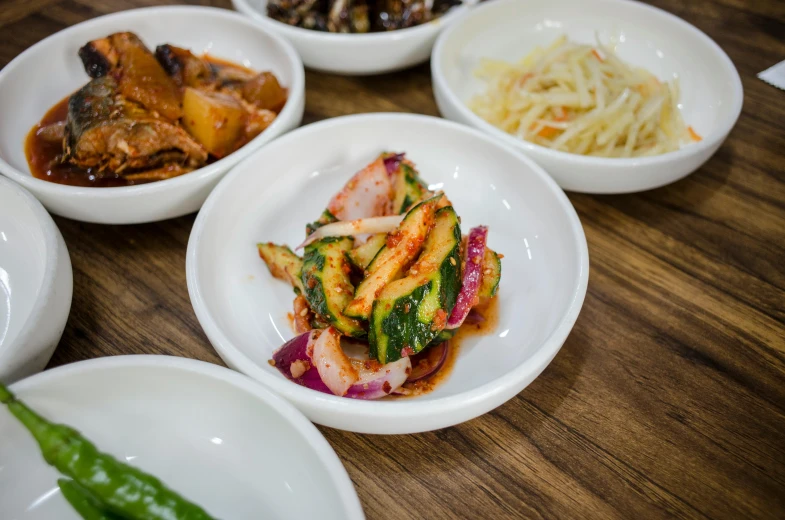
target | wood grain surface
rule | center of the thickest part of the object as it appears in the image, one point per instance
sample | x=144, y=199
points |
x=668, y=398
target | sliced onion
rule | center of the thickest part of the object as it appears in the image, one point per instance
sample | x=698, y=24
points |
x=296, y=351
x=472, y=275
x=367, y=194
x=378, y=380
x=373, y=379
x=474, y=318
x=335, y=369
x=393, y=162
x=345, y=228
x=429, y=361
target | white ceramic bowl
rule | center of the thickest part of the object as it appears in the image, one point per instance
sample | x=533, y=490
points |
x=213, y=435
x=271, y=195
x=51, y=69
x=35, y=283
x=354, y=54
x=647, y=37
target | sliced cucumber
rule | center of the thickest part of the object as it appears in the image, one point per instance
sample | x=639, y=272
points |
x=402, y=247
x=362, y=255
x=491, y=274
x=283, y=264
x=325, y=278
x=409, y=188
x=325, y=218
x=410, y=313
x=443, y=336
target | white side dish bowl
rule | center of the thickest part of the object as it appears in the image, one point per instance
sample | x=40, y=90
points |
x=354, y=54
x=214, y=436
x=51, y=69
x=644, y=36
x=36, y=283
x=270, y=197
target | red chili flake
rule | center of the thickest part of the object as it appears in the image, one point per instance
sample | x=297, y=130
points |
x=393, y=239
x=440, y=320
x=386, y=387
x=407, y=351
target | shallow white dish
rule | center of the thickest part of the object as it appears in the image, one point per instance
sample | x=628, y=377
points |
x=214, y=436
x=711, y=91
x=354, y=54
x=36, y=283
x=272, y=194
x=219, y=32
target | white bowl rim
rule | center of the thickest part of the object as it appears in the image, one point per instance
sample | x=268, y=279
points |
x=51, y=242
x=295, y=90
x=411, y=408
x=717, y=135
x=289, y=413
x=371, y=37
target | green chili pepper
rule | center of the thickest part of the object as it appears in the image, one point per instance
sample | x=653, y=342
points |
x=123, y=490
x=85, y=504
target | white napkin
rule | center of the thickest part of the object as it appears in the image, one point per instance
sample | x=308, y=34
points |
x=775, y=75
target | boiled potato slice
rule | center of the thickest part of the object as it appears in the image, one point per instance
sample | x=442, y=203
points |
x=265, y=92
x=216, y=120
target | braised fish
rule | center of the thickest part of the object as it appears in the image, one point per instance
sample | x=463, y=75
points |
x=184, y=68
x=139, y=75
x=148, y=116
x=107, y=132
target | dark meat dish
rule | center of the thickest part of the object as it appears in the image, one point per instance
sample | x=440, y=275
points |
x=139, y=76
x=150, y=116
x=357, y=16
x=105, y=131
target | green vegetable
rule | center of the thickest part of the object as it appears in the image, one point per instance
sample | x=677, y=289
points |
x=443, y=336
x=283, y=264
x=402, y=247
x=325, y=218
x=410, y=313
x=362, y=255
x=491, y=274
x=122, y=489
x=83, y=502
x=409, y=189
x=325, y=278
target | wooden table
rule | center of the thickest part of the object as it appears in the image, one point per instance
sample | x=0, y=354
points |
x=668, y=398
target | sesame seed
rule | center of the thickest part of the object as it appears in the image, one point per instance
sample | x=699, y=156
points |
x=452, y=260
x=304, y=312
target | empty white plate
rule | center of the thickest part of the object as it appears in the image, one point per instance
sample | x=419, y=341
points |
x=35, y=283
x=274, y=193
x=211, y=434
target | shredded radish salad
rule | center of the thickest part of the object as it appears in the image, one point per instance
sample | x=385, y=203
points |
x=582, y=99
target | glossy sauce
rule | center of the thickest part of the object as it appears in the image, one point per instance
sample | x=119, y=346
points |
x=44, y=156
x=490, y=312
